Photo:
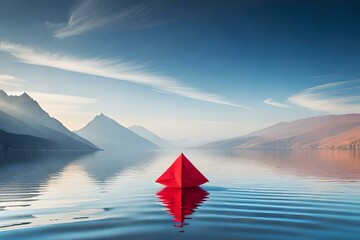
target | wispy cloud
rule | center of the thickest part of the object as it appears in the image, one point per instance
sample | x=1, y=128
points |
x=270, y=101
x=93, y=14
x=337, y=97
x=109, y=68
x=325, y=76
x=10, y=80
x=7, y=78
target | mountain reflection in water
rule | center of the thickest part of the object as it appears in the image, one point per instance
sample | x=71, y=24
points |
x=252, y=194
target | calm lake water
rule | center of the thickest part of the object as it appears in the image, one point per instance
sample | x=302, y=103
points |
x=110, y=195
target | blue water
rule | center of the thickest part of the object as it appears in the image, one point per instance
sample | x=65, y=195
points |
x=301, y=194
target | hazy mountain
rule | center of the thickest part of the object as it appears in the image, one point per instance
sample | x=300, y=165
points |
x=145, y=133
x=107, y=133
x=152, y=137
x=22, y=115
x=332, y=131
x=25, y=108
x=161, y=142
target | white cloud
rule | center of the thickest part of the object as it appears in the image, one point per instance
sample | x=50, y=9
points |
x=6, y=78
x=338, y=97
x=270, y=101
x=92, y=14
x=9, y=80
x=109, y=68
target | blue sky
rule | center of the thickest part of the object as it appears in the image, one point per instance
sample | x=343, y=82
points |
x=199, y=70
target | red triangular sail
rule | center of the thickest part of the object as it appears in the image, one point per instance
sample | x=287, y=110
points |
x=182, y=174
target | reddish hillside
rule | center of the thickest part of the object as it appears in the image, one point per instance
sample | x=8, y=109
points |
x=348, y=139
x=333, y=131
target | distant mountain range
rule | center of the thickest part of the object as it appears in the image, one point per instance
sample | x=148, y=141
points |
x=25, y=125
x=161, y=142
x=332, y=131
x=109, y=134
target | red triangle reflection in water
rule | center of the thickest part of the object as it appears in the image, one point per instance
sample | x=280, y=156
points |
x=182, y=174
x=182, y=202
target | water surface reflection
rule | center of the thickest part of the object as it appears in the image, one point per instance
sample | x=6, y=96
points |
x=182, y=202
x=110, y=195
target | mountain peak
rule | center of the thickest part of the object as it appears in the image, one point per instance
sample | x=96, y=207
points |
x=108, y=133
x=102, y=116
x=103, y=121
x=24, y=104
x=136, y=127
x=3, y=93
x=25, y=95
x=21, y=114
x=27, y=98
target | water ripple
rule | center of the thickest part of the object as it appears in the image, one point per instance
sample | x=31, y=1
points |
x=246, y=199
